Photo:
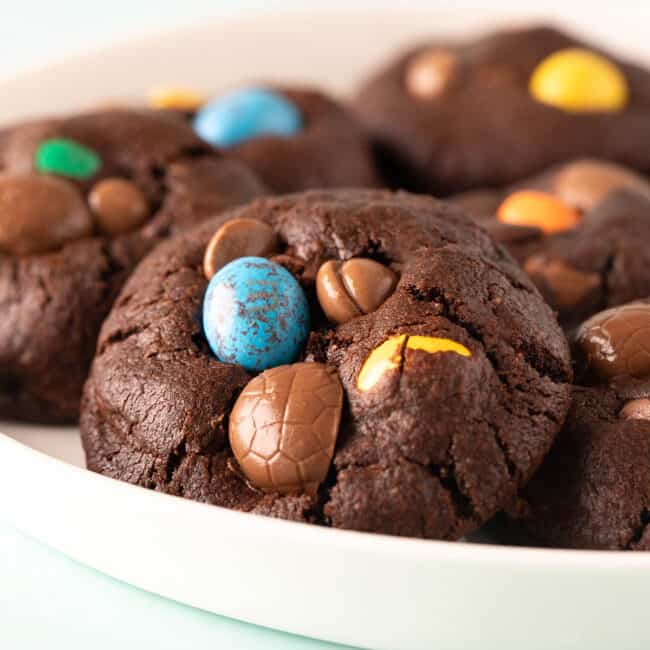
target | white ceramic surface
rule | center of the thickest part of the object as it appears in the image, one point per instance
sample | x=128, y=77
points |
x=366, y=590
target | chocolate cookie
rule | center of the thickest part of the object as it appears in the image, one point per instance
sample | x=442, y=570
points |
x=82, y=199
x=453, y=116
x=593, y=490
x=579, y=231
x=420, y=413
x=294, y=138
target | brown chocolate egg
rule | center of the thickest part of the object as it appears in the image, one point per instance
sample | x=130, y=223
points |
x=40, y=213
x=238, y=238
x=119, y=206
x=284, y=426
x=616, y=343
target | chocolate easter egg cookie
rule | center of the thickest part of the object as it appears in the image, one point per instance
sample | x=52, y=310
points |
x=82, y=199
x=363, y=360
x=593, y=489
x=449, y=116
x=579, y=231
x=294, y=138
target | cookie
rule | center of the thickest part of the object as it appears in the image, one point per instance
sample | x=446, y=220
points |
x=454, y=116
x=82, y=199
x=294, y=138
x=419, y=390
x=593, y=490
x=579, y=231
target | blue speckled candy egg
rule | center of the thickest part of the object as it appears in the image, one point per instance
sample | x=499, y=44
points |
x=255, y=314
x=244, y=114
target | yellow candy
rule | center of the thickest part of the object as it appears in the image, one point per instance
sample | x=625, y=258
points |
x=388, y=356
x=579, y=81
x=433, y=344
x=382, y=359
x=176, y=98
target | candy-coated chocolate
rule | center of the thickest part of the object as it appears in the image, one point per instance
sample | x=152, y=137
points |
x=569, y=286
x=244, y=114
x=255, y=314
x=40, y=213
x=65, y=157
x=585, y=183
x=175, y=98
x=615, y=343
x=284, y=425
x=348, y=289
x=434, y=344
x=579, y=80
x=119, y=206
x=538, y=209
x=389, y=355
x=238, y=238
x=636, y=409
x=430, y=72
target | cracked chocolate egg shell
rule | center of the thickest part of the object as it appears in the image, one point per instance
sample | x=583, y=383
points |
x=284, y=425
x=473, y=398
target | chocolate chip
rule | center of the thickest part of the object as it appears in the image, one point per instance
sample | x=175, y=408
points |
x=40, y=213
x=636, y=409
x=430, y=73
x=585, y=183
x=569, y=286
x=238, y=238
x=119, y=206
x=288, y=445
x=349, y=289
x=615, y=343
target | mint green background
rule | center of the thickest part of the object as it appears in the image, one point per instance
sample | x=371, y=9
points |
x=49, y=602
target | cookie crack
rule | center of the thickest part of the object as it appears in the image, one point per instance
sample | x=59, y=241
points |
x=546, y=368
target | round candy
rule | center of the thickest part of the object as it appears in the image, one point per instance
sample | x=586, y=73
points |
x=245, y=114
x=40, y=213
x=284, y=425
x=66, y=157
x=238, y=238
x=585, y=183
x=538, y=209
x=430, y=72
x=616, y=343
x=255, y=314
x=175, y=98
x=119, y=205
x=389, y=356
x=579, y=80
x=349, y=289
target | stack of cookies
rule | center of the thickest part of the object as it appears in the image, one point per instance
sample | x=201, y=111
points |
x=262, y=302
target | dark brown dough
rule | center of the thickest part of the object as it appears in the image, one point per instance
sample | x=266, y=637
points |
x=52, y=305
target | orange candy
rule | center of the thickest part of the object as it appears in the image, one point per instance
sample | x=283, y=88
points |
x=538, y=209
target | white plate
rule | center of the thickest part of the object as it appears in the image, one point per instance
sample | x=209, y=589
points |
x=366, y=590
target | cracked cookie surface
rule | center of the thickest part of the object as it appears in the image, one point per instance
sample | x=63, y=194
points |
x=53, y=303
x=433, y=450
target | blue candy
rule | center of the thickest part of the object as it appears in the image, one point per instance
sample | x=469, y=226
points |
x=255, y=314
x=244, y=114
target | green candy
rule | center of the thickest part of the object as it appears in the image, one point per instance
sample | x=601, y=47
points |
x=66, y=157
